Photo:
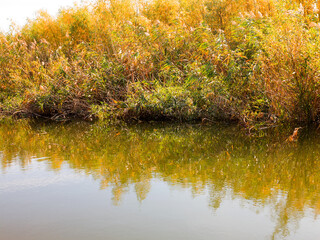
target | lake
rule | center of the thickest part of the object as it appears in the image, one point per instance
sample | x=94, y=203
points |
x=157, y=181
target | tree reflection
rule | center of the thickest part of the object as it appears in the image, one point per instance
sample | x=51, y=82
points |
x=261, y=169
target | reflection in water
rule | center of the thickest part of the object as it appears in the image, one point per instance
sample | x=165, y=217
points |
x=262, y=169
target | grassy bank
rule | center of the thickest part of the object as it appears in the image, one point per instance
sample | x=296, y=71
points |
x=251, y=61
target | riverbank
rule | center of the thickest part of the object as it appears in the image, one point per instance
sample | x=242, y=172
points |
x=251, y=62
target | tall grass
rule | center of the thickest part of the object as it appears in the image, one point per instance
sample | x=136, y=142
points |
x=249, y=61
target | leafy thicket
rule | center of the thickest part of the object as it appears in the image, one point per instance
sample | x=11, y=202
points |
x=246, y=60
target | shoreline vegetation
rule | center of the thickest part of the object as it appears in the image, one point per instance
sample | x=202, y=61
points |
x=255, y=62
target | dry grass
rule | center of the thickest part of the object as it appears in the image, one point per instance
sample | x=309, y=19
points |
x=251, y=61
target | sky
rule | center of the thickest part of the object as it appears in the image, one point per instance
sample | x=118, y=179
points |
x=19, y=10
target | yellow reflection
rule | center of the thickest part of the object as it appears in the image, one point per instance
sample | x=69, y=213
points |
x=265, y=170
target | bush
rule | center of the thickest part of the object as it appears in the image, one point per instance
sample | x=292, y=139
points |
x=250, y=61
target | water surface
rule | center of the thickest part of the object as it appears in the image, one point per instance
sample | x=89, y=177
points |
x=157, y=181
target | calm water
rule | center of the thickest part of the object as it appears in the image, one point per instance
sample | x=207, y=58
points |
x=87, y=181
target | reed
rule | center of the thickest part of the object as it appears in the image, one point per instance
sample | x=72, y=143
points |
x=250, y=61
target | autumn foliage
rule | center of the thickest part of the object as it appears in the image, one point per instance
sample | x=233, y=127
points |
x=248, y=61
